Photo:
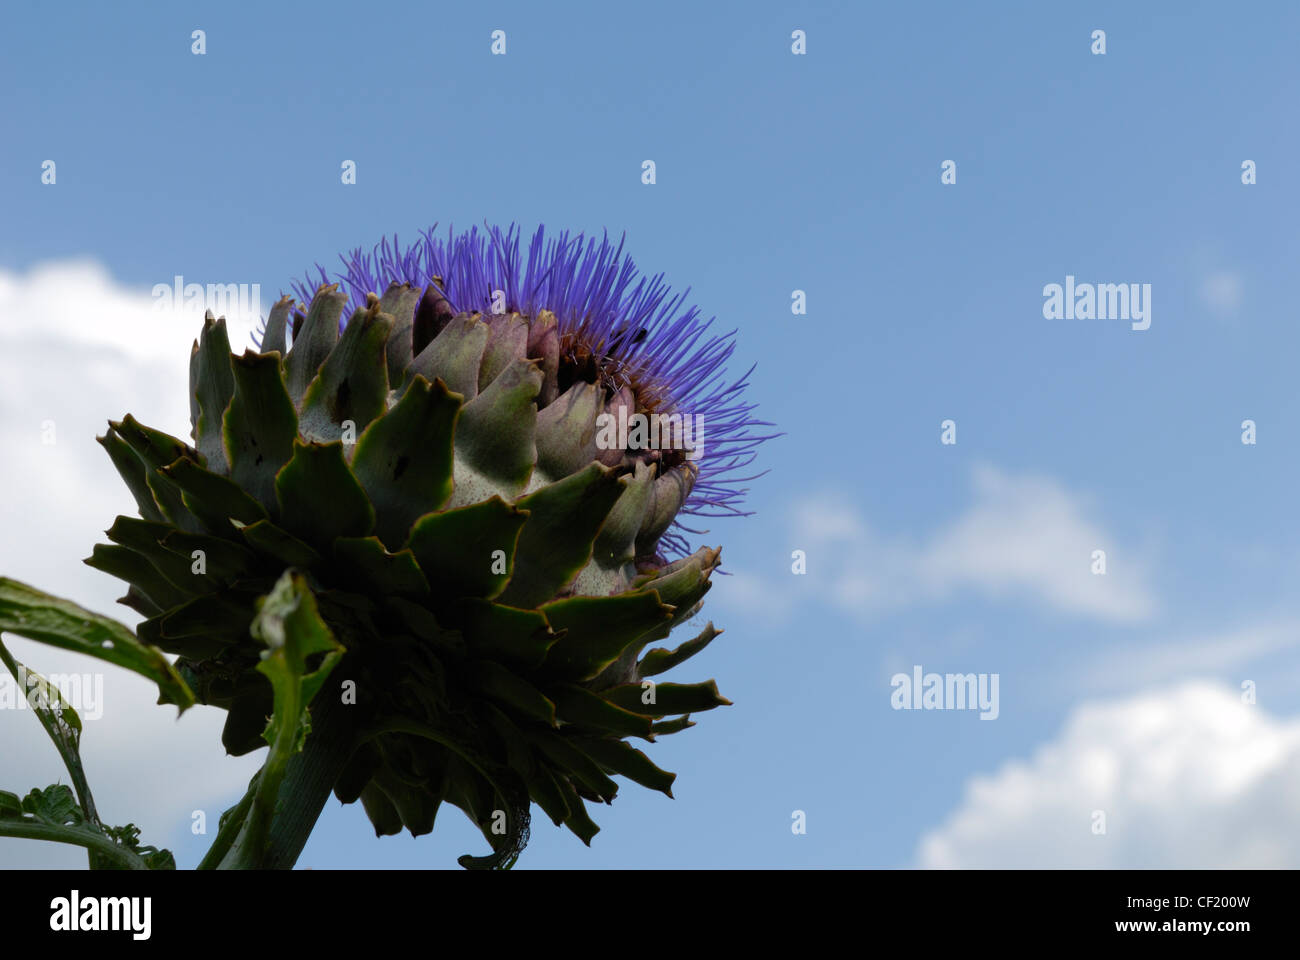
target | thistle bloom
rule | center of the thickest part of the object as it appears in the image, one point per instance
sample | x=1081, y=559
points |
x=421, y=521
x=613, y=325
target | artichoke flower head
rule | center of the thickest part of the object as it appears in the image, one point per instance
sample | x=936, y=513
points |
x=480, y=460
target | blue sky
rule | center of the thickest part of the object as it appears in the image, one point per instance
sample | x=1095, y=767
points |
x=820, y=172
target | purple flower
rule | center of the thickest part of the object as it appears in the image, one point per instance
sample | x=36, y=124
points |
x=615, y=326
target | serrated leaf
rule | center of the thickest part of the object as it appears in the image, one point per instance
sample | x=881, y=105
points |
x=494, y=447
x=214, y=499
x=556, y=542
x=260, y=426
x=156, y=450
x=508, y=688
x=211, y=385
x=503, y=633
x=365, y=561
x=598, y=630
x=625, y=759
x=579, y=706
x=404, y=460
x=458, y=549
x=125, y=564
x=314, y=340
x=352, y=385
x=668, y=699
x=62, y=725
x=265, y=537
x=132, y=471
x=660, y=660
x=320, y=500
x=30, y=613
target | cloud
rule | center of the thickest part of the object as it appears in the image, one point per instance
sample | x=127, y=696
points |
x=1188, y=777
x=76, y=349
x=1023, y=538
x=1174, y=659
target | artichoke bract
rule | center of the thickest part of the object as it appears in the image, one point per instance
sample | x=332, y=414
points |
x=493, y=551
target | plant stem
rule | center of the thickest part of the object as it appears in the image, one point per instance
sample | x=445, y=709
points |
x=310, y=777
x=81, y=837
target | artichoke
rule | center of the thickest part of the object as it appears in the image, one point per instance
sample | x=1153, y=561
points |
x=436, y=470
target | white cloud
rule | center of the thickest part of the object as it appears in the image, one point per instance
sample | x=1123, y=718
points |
x=77, y=349
x=1188, y=777
x=1205, y=655
x=1022, y=538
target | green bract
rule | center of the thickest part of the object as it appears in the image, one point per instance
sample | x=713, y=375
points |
x=492, y=576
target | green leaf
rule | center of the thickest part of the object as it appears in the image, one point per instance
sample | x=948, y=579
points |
x=508, y=634
x=215, y=622
x=265, y=537
x=675, y=725
x=290, y=626
x=214, y=499
x=211, y=385
x=260, y=425
x=224, y=559
x=62, y=725
x=580, y=706
x=352, y=384
x=507, y=341
x=404, y=459
x=275, y=336
x=399, y=302
x=625, y=759
x=670, y=492
x=561, y=752
x=495, y=450
x=365, y=561
x=598, y=629
x=145, y=538
x=30, y=613
x=453, y=356
x=457, y=549
x=566, y=431
x=314, y=340
x=507, y=688
x=612, y=550
x=156, y=450
x=125, y=564
x=556, y=543
x=132, y=471
x=53, y=814
x=320, y=500
x=544, y=789
x=670, y=699
x=660, y=660
x=578, y=821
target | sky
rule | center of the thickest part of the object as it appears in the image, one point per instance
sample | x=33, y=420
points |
x=1163, y=694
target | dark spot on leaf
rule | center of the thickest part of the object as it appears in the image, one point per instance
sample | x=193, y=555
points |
x=341, y=399
x=402, y=463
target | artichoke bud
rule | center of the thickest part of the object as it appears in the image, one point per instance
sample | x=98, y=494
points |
x=494, y=567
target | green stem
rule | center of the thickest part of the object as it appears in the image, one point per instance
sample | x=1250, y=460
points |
x=227, y=834
x=90, y=839
x=310, y=777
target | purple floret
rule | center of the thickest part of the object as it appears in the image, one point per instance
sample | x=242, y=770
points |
x=598, y=298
